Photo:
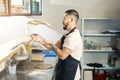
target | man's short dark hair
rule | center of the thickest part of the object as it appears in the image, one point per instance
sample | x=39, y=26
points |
x=74, y=13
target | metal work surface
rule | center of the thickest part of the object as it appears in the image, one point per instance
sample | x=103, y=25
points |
x=30, y=73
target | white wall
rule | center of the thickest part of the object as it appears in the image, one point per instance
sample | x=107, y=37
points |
x=12, y=27
x=53, y=10
x=45, y=32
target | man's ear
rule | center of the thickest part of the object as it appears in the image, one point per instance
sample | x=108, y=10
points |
x=71, y=19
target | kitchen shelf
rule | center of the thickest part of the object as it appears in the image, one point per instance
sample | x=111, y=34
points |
x=4, y=10
x=100, y=35
x=96, y=36
x=20, y=7
x=98, y=51
x=105, y=66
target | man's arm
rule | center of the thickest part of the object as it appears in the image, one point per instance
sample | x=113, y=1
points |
x=62, y=54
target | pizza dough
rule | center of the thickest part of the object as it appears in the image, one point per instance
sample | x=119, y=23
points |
x=37, y=58
x=43, y=66
x=37, y=22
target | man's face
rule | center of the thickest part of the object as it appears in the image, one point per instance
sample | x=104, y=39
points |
x=66, y=22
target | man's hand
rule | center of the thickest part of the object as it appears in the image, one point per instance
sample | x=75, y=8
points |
x=38, y=39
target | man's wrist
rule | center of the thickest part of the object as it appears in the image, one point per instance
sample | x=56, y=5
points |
x=54, y=48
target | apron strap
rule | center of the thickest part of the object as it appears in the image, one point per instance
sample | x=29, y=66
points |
x=64, y=36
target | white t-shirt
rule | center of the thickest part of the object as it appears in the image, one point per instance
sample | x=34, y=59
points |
x=73, y=41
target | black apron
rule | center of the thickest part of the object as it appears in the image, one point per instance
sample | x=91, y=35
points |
x=66, y=69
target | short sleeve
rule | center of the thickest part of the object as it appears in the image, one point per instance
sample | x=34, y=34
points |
x=71, y=41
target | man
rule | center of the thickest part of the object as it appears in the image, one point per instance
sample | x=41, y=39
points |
x=68, y=48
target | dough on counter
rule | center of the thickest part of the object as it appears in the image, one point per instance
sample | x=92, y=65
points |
x=43, y=66
x=37, y=58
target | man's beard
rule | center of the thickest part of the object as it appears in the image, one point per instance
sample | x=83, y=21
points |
x=64, y=28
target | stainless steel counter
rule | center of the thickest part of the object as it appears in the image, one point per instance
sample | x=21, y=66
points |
x=31, y=73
